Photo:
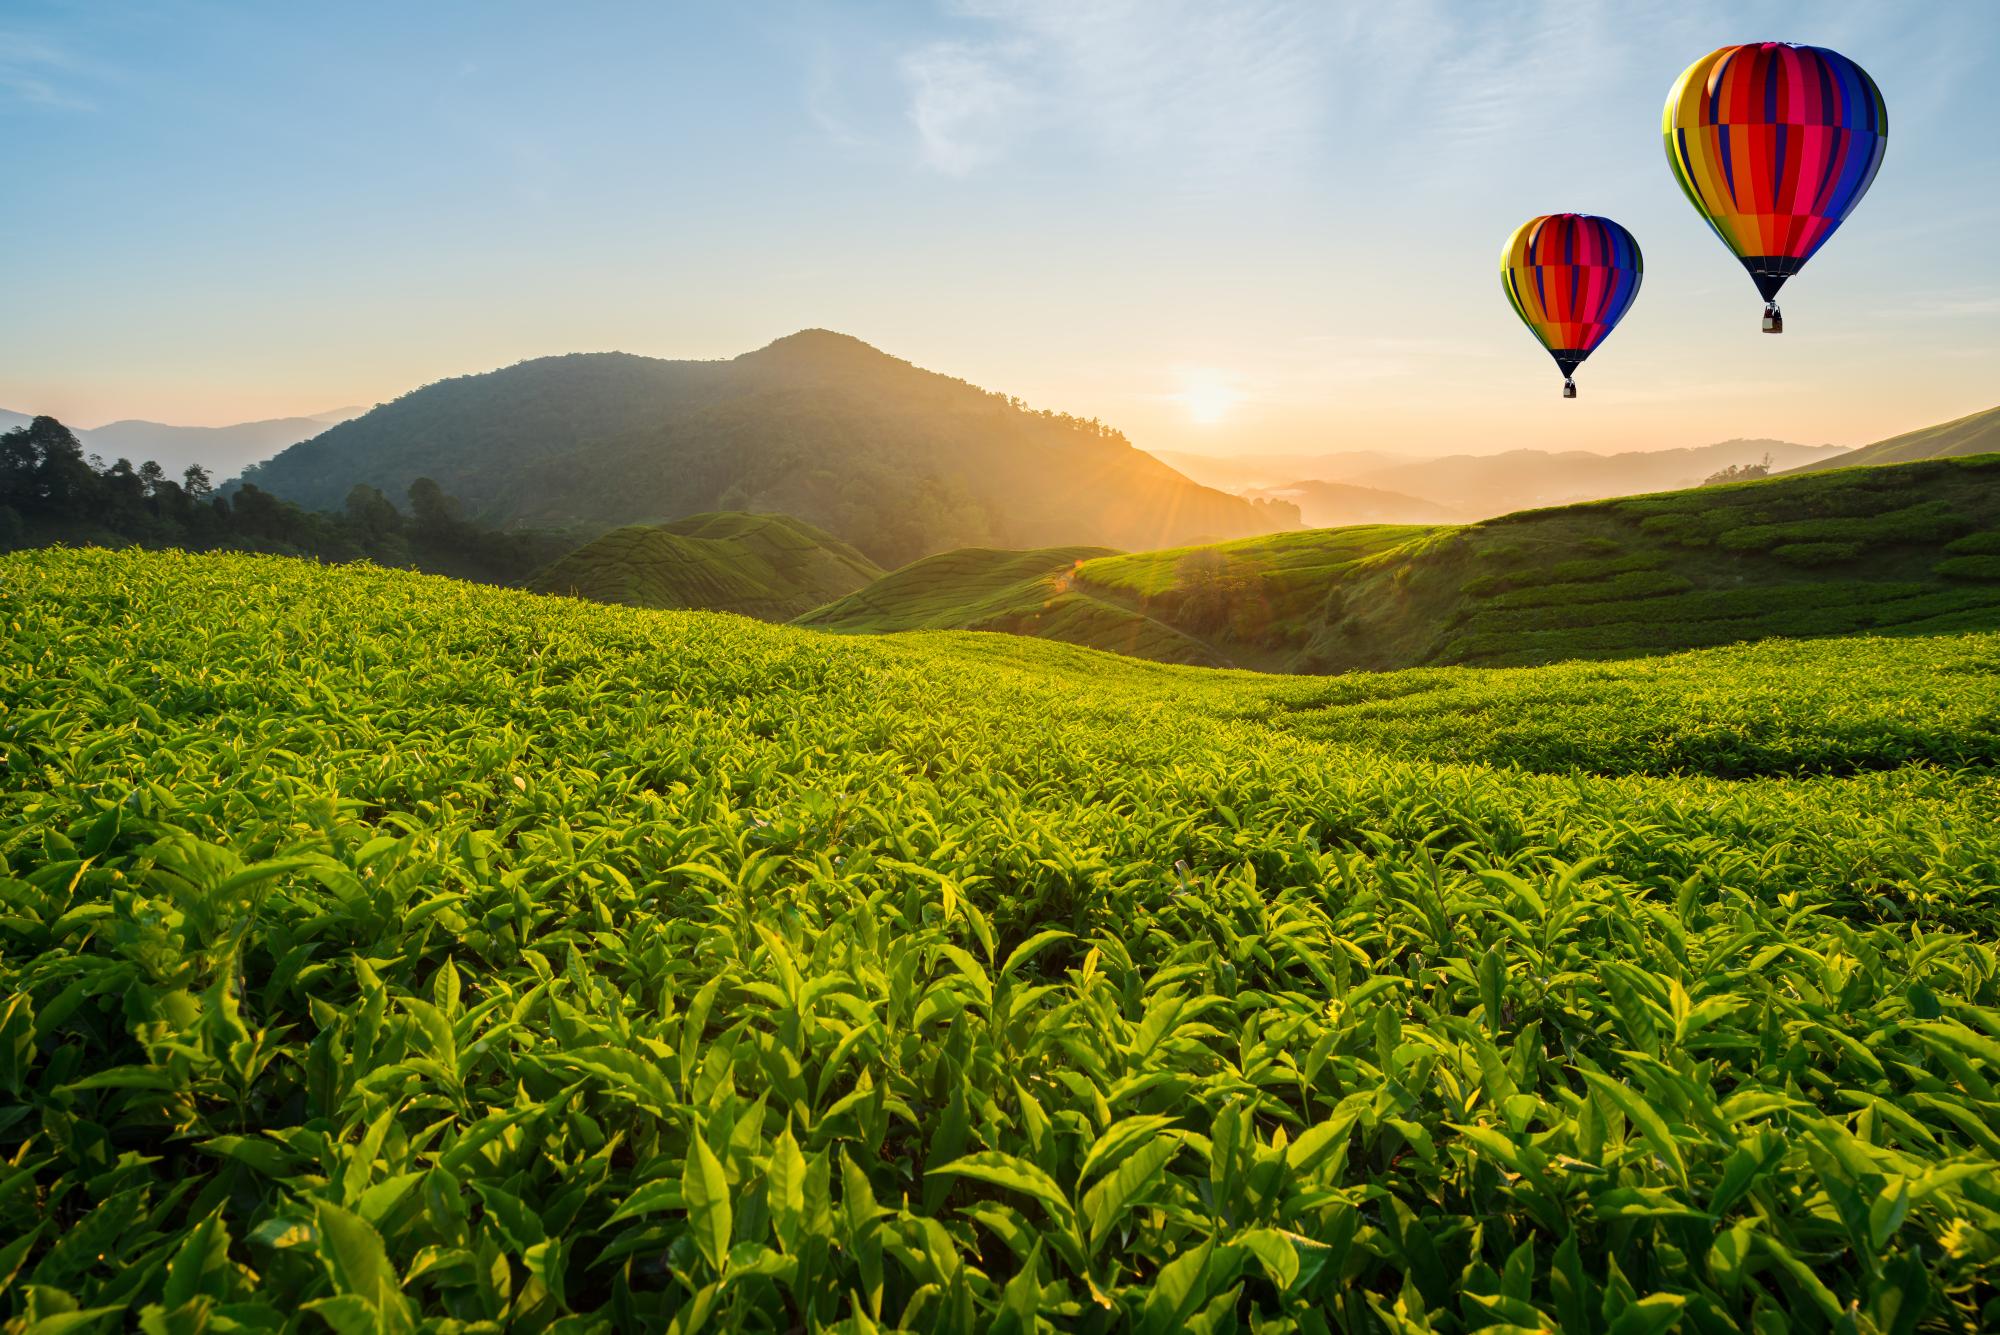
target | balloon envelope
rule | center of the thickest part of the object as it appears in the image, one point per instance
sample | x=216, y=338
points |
x=1774, y=144
x=1570, y=277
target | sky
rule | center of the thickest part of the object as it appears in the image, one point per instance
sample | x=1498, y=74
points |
x=1271, y=225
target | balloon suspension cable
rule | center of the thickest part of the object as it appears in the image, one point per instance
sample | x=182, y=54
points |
x=1569, y=388
x=1774, y=319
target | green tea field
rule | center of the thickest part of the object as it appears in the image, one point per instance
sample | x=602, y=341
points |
x=1911, y=548
x=763, y=565
x=385, y=953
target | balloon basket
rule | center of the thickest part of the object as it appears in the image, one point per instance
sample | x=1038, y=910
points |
x=1569, y=389
x=1774, y=320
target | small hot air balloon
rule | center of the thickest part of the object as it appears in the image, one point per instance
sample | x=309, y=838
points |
x=1571, y=278
x=1775, y=144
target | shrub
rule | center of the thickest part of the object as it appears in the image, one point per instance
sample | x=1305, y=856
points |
x=1969, y=567
x=1984, y=543
x=1816, y=553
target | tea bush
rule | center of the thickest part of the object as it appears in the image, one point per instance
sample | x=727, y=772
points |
x=384, y=953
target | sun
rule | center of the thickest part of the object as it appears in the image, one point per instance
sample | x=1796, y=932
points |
x=1207, y=396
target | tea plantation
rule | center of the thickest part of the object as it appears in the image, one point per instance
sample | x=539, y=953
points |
x=1912, y=548
x=379, y=952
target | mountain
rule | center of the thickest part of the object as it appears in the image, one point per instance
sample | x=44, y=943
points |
x=1262, y=472
x=1904, y=548
x=899, y=461
x=1977, y=434
x=1335, y=504
x=768, y=566
x=1487, y=485
x=222, y=450
x=1480, y=486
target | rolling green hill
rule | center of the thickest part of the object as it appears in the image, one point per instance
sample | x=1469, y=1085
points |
x=389, y=953
x=772, y=567
x=1022, y=593
x=1233, y=604
x=898, y=461
x=1976, y=434
x=1911, y=548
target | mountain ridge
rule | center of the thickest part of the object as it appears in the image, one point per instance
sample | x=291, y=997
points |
x=222, y=450
x=1485, y=486
x=898, y=460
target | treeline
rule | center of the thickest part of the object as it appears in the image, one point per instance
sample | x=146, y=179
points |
x=52, y=492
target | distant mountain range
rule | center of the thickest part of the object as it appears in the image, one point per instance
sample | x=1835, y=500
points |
x=1335, y=504
x=222, y=450
x=1481, y=486
x=899, y=461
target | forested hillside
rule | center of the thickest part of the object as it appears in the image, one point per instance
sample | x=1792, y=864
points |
x=898, y=461
x=53, y=493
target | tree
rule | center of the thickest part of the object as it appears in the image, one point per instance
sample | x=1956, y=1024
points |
x=64, y=482
x=257, y=513
x=1739, y=473
x=18, y=460
x=50, y=491
x=370, y=514
x=434, y=512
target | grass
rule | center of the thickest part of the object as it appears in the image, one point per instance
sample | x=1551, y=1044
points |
x=378, y=951
x=768, y=566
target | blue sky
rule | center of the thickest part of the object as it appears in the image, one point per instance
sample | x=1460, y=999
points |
x=1270, y=225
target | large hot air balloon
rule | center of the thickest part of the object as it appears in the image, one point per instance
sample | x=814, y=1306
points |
x=1775, y=144
x=1571, y=278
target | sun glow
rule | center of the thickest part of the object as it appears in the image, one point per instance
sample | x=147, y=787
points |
x=1207, y=396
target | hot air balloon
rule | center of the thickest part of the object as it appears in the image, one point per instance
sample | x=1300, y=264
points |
x=1775, y=144
x=1571, y=278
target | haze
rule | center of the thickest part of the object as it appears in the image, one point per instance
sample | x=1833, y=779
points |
x=1266, y=228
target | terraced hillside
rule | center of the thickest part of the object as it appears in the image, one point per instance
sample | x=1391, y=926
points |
x=772, y=567
x=1233, y=604
x=383, y=953
x=1020, y=593
x=1913, y=548
x=1976, y=433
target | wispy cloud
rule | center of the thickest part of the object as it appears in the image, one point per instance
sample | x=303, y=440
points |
x=40, y=73
x=1218, y=88
x=964, y=103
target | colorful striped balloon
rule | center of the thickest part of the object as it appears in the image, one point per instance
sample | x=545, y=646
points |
x=1775, y=144
x=1571, y=277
